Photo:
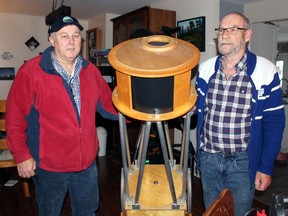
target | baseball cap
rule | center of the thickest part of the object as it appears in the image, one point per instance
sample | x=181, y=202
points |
x=62, y=21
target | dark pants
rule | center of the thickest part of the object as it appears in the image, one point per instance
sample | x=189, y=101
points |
x=52, y=187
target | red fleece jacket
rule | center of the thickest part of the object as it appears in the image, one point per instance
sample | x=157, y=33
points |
x=42, y=121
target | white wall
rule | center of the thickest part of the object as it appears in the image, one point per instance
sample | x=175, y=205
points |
x=103, y=23
x=15, y=31
x=226, y=7
x=267, y=10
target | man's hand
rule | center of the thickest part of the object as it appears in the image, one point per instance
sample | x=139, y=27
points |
x=27, y=168
x=262, y=181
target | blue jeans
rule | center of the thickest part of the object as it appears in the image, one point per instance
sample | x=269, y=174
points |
x=230, y=170
x=52, y=187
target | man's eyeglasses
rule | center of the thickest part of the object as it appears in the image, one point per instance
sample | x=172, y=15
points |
x=230, y=30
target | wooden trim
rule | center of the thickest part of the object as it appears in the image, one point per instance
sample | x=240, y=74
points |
x=93, y=43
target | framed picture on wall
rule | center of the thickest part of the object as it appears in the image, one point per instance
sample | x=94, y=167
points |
x=92, y=44
x=193, y=31
x=7, y=73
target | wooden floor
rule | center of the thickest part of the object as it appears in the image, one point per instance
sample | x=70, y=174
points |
x=13, y=203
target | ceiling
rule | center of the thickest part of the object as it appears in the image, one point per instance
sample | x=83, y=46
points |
x=88, y=9
x=242, y=2
x=82, y=9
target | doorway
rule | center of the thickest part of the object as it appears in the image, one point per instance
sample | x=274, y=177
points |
x=282, y=68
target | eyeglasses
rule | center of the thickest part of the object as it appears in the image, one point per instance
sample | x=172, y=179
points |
x=230, y=30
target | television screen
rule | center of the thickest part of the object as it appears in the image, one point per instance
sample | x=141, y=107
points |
x=193, y=31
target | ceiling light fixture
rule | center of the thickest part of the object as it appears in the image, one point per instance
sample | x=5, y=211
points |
x=61, y=11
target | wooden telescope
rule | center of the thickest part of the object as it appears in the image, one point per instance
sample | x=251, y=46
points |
x=153, y=77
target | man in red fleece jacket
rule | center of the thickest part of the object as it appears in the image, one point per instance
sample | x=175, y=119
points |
x=50, y=121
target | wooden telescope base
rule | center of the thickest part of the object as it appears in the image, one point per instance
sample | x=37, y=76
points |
x=155, y=189
x=155, y=199
x=155, y=213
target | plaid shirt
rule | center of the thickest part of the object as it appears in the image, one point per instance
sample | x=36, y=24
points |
x=73, y=80
x=228, y=112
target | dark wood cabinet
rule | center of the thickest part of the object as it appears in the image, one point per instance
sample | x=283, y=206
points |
x=143, y=18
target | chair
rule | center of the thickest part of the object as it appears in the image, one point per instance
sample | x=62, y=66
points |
x=223, y=206
x=6, y=158
x=279, y=204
